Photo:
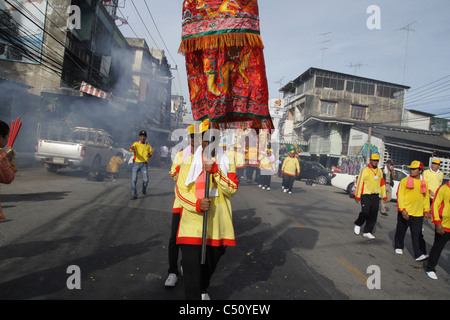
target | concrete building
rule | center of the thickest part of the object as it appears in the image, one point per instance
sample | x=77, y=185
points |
x=68, y=63
x=345, y=118
x=330, y=94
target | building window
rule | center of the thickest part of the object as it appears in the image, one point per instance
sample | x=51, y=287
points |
x=328, y=108
x=359, y=112
x=390, y=92
x=361, y=87
x=330, y=83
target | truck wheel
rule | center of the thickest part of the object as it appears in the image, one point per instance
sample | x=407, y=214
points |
x=322, y=180
x=95, y=172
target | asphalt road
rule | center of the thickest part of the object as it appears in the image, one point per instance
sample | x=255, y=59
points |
x=289, y=247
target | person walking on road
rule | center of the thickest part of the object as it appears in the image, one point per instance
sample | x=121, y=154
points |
x=190, y=192
x=142, y=152
x=440, y=216
x=290, y=170
x=413, y=201
x=369, y=187
x=181, y=156
x=434, y=177
x=389, y=177
x=267, y=169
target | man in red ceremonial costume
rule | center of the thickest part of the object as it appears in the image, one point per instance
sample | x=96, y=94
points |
x=225, y=62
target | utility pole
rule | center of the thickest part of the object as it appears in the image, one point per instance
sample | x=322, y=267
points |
x=281, y=84
x=408, y=29
x=323, y=48
x=369, y=143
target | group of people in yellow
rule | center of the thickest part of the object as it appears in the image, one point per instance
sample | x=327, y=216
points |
x=419, y=195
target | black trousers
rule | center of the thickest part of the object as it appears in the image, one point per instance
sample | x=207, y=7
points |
x=249, y=173
x=173, y=247
x=265, y=180
x=288, y=182
x=369, y=212
x=197, y=276
x=439, y=244
x=415, y=226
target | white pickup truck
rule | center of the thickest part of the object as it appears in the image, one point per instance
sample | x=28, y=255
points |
x=85, y=148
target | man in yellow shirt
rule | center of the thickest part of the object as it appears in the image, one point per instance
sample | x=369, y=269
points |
x=413, y=202
x=142, y=152
x=290, y=170
x=440, y=214
x=369, y=187
x=188, y=151
x=190, y=193
x=434, y=177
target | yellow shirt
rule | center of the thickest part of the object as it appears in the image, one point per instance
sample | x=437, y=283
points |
x=440, y=213
x=141, y=151
x=411, y=200
x=220, y=219
x=290, y=166
x=433, y=179
x=370, y=181
x=114, y=164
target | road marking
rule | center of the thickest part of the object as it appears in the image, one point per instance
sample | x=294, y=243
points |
x=296, y=222
x=347, y=265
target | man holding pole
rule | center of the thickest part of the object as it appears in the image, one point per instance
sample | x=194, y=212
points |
x=190, y=192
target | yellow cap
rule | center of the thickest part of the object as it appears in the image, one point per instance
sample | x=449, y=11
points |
x=199, y=127
x=436, y=161
x=375, y=157
x=416, y=164
x=204, y=126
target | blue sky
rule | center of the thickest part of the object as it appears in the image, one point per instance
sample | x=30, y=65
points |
x=292, y=32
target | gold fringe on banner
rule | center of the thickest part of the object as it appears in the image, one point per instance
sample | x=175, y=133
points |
x=218, y=41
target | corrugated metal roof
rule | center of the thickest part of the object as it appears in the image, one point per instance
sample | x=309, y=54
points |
x=410, y=136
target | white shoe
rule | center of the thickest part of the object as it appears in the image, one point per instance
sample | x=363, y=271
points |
x=259, y=186
x=357, y=229
x=368, y=235
x=268, y=189
x=284, y=190
x=398, y=251
x=290, y=192
x=205, y=296
x=422, y=257
x=432, y=275
x=264, y=188
x=171, y=280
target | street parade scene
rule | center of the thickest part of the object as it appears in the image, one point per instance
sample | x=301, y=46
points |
x=226, y=151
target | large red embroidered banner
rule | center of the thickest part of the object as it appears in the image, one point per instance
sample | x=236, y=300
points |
x=225, y=62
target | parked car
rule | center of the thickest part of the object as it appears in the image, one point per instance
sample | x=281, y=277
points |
x=346, y=182
x=86, y=148
x=310, y=170
x=399, y=175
